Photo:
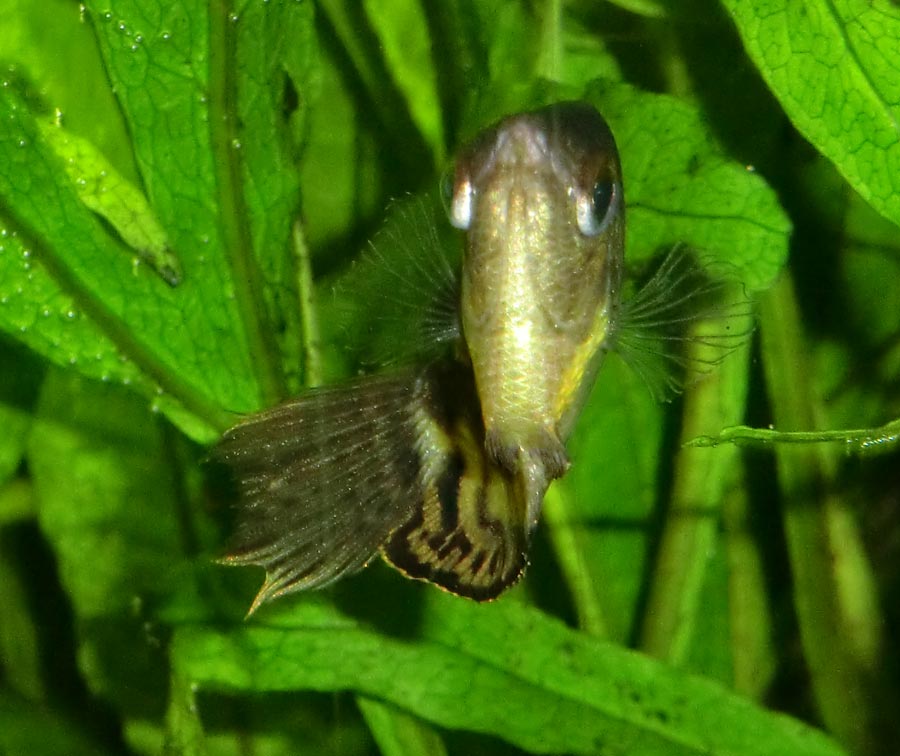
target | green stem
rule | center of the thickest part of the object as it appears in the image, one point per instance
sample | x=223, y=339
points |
x=233, y=213
x=700, y=479
x=749, y=614
x=309, y=321
x=184, y=730
x=855, y=440
x=834, y=590
x=570, y=552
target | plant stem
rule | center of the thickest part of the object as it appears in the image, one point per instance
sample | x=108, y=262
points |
x=834, y=590
x=570, y=556
x=309, y=321
x=699, y=485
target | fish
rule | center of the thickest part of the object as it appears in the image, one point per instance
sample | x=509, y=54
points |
x=441, y=463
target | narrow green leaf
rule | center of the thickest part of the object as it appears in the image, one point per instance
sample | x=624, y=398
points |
x=102, y=189
x=751, y=618
x=184, y=730
x=402, y=29
x=57, y=51
x=649, y=8
x=397, y=733
x=386, y=113
x=276, y=62
x=676, y=606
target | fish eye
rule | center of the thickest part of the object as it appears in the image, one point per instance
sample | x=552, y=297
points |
x=459, y=199
x=456, y=198
x=593, y=212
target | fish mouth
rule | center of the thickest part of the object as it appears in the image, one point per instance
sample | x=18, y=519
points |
x=521, y=145
x=525, y=145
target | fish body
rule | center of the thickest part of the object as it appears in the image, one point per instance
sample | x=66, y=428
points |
x=443, y=466
x=540, y=198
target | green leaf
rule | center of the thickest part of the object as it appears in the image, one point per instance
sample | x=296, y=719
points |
x=71, y=267
x=611, y=515
x=32, y=729
x=102, y=189
x=682, y=187
x=175, y=77
x=397, y=733
x=111, y=515
x=184, y=730
x=227, y=122
x=833, y=67
x=402, y=29
x=227, y=291
x=18, y=389
x=276, y=62
x=57, y=51
x=505, y=669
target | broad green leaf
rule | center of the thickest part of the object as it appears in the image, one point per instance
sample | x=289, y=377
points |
x=502, y=668
x=60, y=265
x=57, y=51
x=175, y=76
x=833, y=67
x=681, y=187
x=179, y=340
x=111, y=514
x=40, y=313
